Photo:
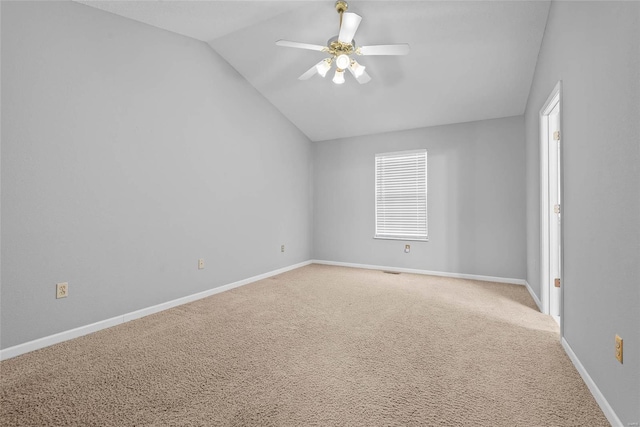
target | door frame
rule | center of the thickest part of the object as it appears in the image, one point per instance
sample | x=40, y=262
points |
x=545, y=285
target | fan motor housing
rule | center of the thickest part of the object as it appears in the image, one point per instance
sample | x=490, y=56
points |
x=336, y=47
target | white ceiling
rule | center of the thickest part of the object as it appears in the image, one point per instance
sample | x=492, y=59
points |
x=469, y=60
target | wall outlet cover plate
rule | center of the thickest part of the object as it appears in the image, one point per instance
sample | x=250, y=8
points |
x=62, y=290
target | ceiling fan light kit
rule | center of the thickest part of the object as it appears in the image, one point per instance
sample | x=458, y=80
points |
x=356, y=69
x=324, y=66
x=341, y=47
x=342, y=61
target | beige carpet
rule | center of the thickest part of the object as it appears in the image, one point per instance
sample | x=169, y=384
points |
x=317, y=346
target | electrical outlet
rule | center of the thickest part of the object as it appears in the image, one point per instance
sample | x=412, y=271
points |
x=62, y=290
x=201, y=264
x=619, y=348
x=407, y=249
x=282, y=248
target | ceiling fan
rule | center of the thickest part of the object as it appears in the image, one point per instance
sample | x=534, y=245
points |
x=342, y=47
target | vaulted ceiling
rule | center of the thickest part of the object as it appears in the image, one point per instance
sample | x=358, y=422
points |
x=468, y=61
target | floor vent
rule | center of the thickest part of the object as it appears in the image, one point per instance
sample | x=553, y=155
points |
x=391, y=272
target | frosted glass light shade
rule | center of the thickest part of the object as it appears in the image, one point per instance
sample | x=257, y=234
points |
x=338, y=78
x=323, y=67
x=358, y=70
x=342, y=62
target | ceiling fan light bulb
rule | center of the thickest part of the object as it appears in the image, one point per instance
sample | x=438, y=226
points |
x=342, y=62
x=358, y=70
x=338, y=78
x=323, y=67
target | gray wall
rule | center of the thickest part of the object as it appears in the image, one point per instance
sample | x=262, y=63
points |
x=594, y=48
x=128, y=153
x=476, y=199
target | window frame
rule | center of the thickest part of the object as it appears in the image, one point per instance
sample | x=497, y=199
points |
x=379, y=234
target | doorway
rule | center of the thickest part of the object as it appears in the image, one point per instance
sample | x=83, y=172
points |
x=550, y=203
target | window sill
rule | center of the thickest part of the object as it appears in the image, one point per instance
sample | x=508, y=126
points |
x=411, y=239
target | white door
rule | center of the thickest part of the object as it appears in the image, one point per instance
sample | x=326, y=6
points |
x=554, y=212
x=550, y=205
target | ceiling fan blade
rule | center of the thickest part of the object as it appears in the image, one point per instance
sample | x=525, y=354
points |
x=309, y=73
x=384, y=49
x=287, y=43
x=350, y=23
x=364, y=78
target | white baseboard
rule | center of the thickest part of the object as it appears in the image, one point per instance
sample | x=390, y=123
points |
x=534, y=296
x=426, y=272
x=593, y=388
x=39, y=343
x=190, y=298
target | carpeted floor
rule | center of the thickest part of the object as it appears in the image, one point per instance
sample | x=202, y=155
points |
x=317, y=346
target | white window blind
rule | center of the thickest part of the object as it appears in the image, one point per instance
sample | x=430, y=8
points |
x=401, y=195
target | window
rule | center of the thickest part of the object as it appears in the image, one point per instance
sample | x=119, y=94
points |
x=401, y=195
